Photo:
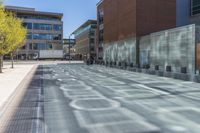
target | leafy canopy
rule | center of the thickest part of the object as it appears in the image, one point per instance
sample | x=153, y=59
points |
x=12, y=33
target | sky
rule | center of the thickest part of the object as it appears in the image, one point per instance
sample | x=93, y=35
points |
x=76, y=12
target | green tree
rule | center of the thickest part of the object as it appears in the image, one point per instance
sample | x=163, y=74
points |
x=17, y=36
x=4, y=31
x=12, y=34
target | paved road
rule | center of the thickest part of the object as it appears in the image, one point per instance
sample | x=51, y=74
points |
x=95, y=99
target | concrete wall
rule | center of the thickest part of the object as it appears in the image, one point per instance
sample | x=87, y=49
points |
x=175, y=48
x=121, y=51
x=198, y=56
x=145, y=49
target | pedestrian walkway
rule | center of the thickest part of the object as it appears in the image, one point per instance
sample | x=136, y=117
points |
x=10, y=79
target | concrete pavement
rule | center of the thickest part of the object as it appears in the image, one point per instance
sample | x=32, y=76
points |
x=93, y=99
x=96, y=99
x=10, y=79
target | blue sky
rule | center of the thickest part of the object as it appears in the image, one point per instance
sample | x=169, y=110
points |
x=76, y=12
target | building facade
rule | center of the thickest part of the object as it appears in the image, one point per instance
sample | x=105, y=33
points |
x=123, y=19
x=69, y=48
x=160, y=35
x=85, y=37
x=45, y=32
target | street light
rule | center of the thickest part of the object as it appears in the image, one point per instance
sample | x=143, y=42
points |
x=70, y=47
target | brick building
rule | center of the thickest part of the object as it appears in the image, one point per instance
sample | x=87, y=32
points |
x=155, y=34
x=122, y=19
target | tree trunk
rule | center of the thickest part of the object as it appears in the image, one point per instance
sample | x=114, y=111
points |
x=1, y=62
x=12, y=61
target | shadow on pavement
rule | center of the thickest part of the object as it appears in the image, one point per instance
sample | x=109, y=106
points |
x=24, y=113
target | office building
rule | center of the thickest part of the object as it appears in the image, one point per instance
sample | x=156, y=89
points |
x=45, y=33
x=85, y=37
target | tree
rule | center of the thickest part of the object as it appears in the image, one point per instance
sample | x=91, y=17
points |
x=4, y=31
x=12, y=34
x=18, y=35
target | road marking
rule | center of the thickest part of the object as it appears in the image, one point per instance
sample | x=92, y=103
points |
x=153, y=90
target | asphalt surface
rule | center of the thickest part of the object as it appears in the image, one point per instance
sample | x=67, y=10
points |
x=94, y=99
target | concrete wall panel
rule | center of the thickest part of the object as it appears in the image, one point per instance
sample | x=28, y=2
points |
x=145, y=48
x=198, y=56
x=122, y=51
x=175, y=48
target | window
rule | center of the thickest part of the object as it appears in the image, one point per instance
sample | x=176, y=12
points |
x=57, y=27
x=195, y=7
x=47, y=36
x=42, y=46
x=42, y=26
x=92, y=33
x=29, y=36
x=28, y=25
x=30, y=46
x=92, y=48
x=42, y=36
x=101, y=38
x=57, y=37
x=100, y=17
x=91, y=40
x=49, y=46
x=39, y=17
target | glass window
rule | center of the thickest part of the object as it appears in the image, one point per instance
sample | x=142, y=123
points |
x=39, y=17
x=29, y=36
x=28, y=25
x=91, y=40
x=49, y=46
x=77, y=33
x=42, y=36
x=42, y=46
x=42, y=26
x=30, y=46
x=57, y=37
x=47, y=36
x=92, y=48
x=92, y=33
x=195, y=7
x=57, y=27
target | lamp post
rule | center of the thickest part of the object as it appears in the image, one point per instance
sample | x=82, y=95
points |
x=89, y=36
x=70, y=47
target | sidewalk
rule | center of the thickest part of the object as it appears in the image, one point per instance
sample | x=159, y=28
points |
x=10, y=79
